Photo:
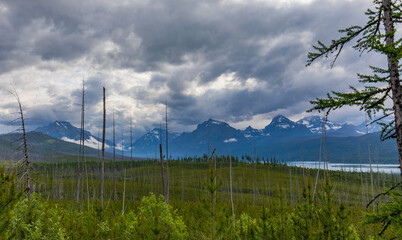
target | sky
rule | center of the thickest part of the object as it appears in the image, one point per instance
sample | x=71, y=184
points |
x=240, y=61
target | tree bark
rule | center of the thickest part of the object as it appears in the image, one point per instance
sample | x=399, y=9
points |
x=114, y=161
x=26, y=161
x=167, y=159
x=231, y=183
x=103, y=145
x=124, y=191
x=162, y=171
x=371, y=169
x=394, y=75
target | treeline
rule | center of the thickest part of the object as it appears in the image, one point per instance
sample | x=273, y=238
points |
x=235, y=159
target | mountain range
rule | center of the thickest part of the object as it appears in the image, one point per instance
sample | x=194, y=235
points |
x=281, y=138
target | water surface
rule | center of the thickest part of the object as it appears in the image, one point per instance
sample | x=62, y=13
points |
x=350, y=167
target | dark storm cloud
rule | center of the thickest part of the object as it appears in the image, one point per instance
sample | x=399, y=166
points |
x=167, y=30
x=182, y=43
x=47, y=29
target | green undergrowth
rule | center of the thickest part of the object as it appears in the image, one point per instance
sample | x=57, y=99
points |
x=278, y=202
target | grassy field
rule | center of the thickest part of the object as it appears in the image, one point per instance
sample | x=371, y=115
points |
x=276, y=190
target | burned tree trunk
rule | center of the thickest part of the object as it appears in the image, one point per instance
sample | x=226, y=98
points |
x=167, y=159
x=162, y=172
x=103, y=146
x=26, y=160
x=230, y=182
x=114, y=161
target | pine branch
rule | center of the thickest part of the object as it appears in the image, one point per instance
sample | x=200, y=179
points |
x=364, y=98
x=383, y=194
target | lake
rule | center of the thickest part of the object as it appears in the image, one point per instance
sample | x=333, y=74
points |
x=350, y=167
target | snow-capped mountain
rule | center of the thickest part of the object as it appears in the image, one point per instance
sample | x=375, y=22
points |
x=281, y=126
x=67, y=132
x=218, y=134
x=149, y=142
x=250, y=132
x=213, y=134
x=314, y=124
x=374, y=127
x=60, y=129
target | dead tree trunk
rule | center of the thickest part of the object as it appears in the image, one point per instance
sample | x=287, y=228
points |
x=80, y=160
x=162, y=171
x=103, y=146
x=255, y=173
x=26, y=160
x=231, y=183
x=131, y=159
x=167, y=159
x=83, y=158
x=114, y=161
x=319, y=163
x=124, y=191
x=371, y=170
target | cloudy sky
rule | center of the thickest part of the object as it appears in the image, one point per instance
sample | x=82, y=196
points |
x=241, y=61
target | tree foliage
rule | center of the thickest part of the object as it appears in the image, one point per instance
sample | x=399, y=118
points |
x=380, y=86
x=389, y=215
x=8, y=198
x=35, y=220
x=327, y=217
x=155, y=220
x=377, y=86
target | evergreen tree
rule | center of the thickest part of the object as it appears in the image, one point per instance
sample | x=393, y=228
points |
x=389, y=216
x=9, y=197
x=155, y=220
x=383, y=84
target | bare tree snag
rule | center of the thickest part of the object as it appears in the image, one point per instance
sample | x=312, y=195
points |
x=162, y=172
x=114, y=161
x=26, y=160
x=167, y=158
x=103, y=146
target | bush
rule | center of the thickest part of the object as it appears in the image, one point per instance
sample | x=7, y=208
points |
x=247, y=227
x=155, y=220
x=35, y=220
x=8, y=198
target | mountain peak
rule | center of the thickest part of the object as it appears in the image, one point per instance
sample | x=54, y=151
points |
x=314, y=118
x=249, y=128
x=280, y=118
x=62, y=124
x=282, y=126
x=314, y=124
x=251, y=132
x=214, y=121
x=211, y=123
x=60, y=129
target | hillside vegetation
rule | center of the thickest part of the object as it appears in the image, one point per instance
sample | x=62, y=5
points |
x=271, y=201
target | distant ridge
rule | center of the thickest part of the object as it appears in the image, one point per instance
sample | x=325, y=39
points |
x=281, y=138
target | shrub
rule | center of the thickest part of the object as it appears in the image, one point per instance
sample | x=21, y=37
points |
x=155, y=220
x=35, y=220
